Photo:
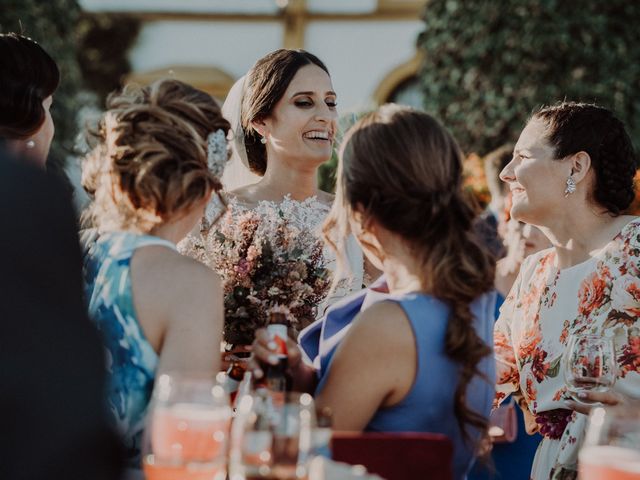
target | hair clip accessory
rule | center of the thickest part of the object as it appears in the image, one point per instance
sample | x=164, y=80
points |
x=217, y=152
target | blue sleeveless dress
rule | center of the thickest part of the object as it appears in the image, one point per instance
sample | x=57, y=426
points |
x=131, y=361
x=428, y=407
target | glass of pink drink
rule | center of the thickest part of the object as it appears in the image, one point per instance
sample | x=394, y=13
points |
x=612, y=446
x=188, y=430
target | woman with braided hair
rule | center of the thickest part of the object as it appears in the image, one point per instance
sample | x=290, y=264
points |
x=416, y=358
x=572, y=176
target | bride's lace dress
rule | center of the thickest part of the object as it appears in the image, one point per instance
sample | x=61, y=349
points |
x=307, y=215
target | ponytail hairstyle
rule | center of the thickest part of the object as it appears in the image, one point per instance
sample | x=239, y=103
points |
x=150, y=161
x=401, y=168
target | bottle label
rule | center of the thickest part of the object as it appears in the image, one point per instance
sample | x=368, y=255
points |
x=279, y=333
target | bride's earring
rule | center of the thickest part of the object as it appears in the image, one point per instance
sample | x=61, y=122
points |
x=263, y=140
x=30, y=144
x=571, y=186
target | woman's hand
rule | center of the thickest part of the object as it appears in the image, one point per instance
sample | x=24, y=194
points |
x=605, y=398
x=265, y=351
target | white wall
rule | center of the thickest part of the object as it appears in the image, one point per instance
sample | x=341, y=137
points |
x=230, y=46
x=359, y=54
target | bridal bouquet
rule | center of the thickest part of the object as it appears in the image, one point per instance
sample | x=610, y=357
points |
x=267, y=262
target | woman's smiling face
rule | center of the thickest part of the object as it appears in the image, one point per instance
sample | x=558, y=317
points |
x=536, y=179
x=302, y=125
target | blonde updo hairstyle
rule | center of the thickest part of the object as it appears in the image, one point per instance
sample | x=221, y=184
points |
x=150, y=161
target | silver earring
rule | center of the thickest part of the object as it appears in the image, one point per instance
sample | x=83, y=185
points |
x=263, y=140
x=31, y=144
x=571, y=186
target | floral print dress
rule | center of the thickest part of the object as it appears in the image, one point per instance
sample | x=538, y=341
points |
x=130, y=359
x=545, y=306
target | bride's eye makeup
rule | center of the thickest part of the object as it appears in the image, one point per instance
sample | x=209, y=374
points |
x=331, y=102
x=303, y=102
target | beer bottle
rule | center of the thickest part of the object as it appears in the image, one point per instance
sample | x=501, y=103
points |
x=235, y=374
x=276, y=377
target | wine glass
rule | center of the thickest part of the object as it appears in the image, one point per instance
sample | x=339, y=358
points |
x=187, y=429
x=271, y=436
x=611, y=449
x=589, y=365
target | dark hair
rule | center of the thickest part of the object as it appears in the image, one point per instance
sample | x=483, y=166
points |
x=405, y=170
x=494, y=163
x=267, y=81
x=580, y=127
x=28, y=75
x=151, y=160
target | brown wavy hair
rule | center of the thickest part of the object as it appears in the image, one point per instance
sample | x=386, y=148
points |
x=400, y=167
x=267, y=81
x=150, y=160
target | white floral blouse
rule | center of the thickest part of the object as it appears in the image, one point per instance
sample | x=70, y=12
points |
x=544, y=307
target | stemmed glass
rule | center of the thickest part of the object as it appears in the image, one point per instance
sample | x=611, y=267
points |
x=611, y=449
x=589, y=365
x=187, y=429
x=271, y=436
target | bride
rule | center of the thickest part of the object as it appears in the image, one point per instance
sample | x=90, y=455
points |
x=283, y=114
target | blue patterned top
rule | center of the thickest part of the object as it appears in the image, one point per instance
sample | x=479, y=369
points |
x=131, y=361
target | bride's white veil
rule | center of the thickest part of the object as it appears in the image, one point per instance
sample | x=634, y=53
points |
x=236, y=173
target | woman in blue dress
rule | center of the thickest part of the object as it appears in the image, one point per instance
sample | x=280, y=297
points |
x=160, y=152
x=415, y=358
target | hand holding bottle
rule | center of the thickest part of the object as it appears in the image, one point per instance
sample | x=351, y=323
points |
x=266, y=350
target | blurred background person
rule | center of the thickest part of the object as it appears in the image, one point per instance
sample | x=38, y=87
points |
x=491, y=223
x=28, y=79
x=152, y=175
x=521, y=240
x=55, y=425
x=572, y=175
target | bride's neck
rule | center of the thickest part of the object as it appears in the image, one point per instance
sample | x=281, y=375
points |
x=299, y=184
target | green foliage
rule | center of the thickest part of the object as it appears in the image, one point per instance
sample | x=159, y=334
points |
x=52, y=24
x=105, y=40
x=489, y=65
x=327, y=171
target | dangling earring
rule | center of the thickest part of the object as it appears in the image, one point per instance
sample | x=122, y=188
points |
x=571, y=186
x=263, y=140
x=31, y=144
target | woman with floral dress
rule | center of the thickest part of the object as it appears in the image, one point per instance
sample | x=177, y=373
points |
x=572, y=176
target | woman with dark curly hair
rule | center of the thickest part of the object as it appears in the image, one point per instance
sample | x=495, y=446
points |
x=156, y=166
x=572, y=176
x=415, y=358
x=28, y=79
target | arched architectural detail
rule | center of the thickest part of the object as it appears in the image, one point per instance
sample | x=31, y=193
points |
x=396, y=77
x=212, y=80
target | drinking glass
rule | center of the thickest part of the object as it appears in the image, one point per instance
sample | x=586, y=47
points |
x=611, y=450
x=271, y=436
x=589, y=365
x=187, y=429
